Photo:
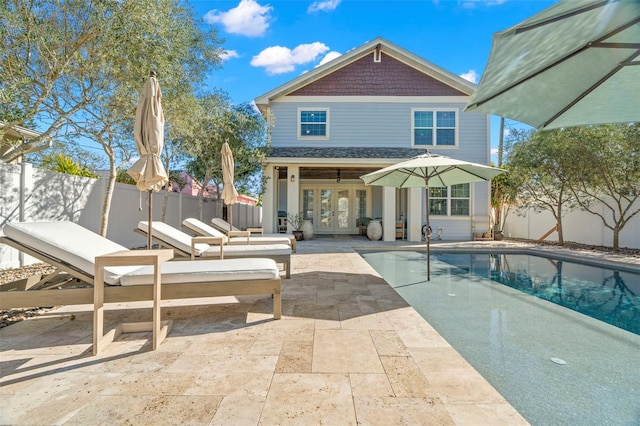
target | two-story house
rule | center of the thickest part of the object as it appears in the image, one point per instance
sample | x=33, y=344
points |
x=369, y=108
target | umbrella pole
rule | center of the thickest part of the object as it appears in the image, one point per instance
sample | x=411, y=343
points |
x=230, y=211
x=150, y=225
x=426, y=235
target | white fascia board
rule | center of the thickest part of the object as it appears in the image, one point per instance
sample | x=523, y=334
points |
x=376, y=99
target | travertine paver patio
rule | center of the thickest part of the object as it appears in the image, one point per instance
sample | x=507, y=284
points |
x=348, y=350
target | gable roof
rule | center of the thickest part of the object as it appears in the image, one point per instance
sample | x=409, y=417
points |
x=439, y=76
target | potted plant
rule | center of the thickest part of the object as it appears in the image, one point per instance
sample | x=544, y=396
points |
x=295, y=220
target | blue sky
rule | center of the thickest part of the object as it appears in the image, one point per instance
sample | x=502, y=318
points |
x=269, y=43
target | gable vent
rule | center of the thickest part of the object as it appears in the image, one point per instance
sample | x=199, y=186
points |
x=377, y=55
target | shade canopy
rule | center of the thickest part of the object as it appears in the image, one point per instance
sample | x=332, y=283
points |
x=575, y=63
x=430, y=170
x=148, y=132
x=229, y=193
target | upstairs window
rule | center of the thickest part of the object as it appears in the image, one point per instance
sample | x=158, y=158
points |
x=434, y=128
x=313, y=123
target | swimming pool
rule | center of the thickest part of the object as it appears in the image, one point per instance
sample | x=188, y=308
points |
x=555, y=365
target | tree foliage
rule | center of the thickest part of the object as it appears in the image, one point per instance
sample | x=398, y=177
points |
x=220, y=121
x=77, y=67
x=595, y=168
x=543, y=168
x=607, y=180
x=62, y=163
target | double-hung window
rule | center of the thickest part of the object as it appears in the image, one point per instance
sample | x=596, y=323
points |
x=449, y=201
x=313, y=123
x=434, y=127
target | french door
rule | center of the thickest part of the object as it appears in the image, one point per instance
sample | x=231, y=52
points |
x=334, y=209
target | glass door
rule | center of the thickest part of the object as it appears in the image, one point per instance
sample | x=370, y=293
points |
x=326, y=210
x=342, y=210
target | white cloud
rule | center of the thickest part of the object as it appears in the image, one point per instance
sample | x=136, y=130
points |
x=229, y=54
x=471, y=76
x=280, y=60
x=328, y=57
x=494, y=151
x=323, y=6
x=249, y=18
x=472, y=4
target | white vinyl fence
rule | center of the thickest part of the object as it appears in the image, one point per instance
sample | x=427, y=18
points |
x=578, y=226
x=30, y=194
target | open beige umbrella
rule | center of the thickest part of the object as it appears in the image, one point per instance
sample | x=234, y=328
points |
x=430, y=170
x=229, y=193
x=148, y=132
x=575, y=63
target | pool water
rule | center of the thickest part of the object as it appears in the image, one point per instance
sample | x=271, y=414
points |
x=555, y=364
x=612, y=296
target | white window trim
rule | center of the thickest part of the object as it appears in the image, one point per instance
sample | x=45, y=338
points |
x=449, y=198
x=435, y=128
x=313, y=138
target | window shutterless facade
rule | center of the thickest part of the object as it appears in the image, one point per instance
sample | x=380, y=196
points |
x=434, y=127
x=313, y=123
x=449, y=201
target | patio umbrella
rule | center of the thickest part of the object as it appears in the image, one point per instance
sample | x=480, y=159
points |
x=575, y=63
x=229, y=193
x=148, y=132
x=428, y=170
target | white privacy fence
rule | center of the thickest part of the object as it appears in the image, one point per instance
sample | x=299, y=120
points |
x=29, y=194
x=578, y=226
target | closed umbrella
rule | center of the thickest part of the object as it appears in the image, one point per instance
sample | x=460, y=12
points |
x=148, y=132
x=229, y=193
x=428, y=170
x=575, y=63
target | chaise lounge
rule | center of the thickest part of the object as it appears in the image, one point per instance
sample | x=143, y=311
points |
x=200, y=228
x=224, y=226
x=72, y=249
x=185, y=245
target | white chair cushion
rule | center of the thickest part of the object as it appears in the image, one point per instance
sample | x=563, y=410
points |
x=174, y=237
x=223, y=225
x=248, y=250
x=202, y=228
x=69, y=243
x=182, y=241
x=184, y=271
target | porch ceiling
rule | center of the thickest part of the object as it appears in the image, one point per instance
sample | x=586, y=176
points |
x=328, y=172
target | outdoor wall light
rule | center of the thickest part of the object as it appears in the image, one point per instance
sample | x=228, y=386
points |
x=293, y=178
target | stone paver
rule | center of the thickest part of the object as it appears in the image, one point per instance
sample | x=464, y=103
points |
x=348, y=350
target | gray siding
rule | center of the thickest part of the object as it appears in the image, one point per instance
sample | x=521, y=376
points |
x=378, y=125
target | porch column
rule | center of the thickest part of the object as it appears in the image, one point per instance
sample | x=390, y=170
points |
x=293, y=186
x=388, y=213
x=268, y=200
x=414, y=215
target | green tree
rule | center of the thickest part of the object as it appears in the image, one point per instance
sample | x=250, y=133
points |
x=543, y=167
x=78, y=66
x=219, y=121
x=62, y=163
x=608, y=173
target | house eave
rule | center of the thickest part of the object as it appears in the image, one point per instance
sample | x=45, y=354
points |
x=386, y=47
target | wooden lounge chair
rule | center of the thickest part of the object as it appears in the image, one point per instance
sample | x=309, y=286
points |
x=72, y=249
x=185, y=245
x=223, y=226
x=237, y=237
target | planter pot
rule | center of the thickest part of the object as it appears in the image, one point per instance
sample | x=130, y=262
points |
x=374, y=230
x=298, y=235
x=307, y=229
